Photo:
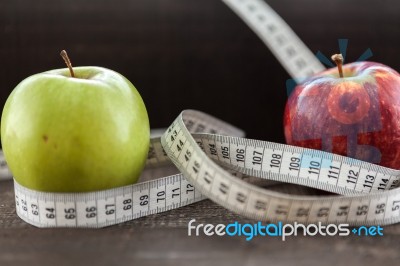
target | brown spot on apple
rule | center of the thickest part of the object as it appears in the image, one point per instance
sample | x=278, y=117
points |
x=348, y=103
x=45, y=138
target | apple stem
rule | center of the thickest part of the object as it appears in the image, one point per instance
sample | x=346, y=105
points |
x=64, y=55
x=338, y=59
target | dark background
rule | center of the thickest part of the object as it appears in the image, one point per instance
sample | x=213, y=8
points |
x=189, y=53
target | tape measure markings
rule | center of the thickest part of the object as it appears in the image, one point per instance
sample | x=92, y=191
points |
x=123, y=204
x=276, y=34
x=285, y=153
x=223, y=184
x=70, y=210
x=103, y=208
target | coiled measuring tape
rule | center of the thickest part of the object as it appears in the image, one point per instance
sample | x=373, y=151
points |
x=369, y=193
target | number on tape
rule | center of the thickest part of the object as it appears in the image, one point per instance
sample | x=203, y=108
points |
x=378, y=205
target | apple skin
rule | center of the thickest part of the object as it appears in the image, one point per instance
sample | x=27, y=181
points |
x=64, y=134
x=357, y=116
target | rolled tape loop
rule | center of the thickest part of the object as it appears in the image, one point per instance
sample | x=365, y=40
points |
x=203, y=159
x=366, y=202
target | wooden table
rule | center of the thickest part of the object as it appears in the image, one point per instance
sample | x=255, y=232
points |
x=163, y=239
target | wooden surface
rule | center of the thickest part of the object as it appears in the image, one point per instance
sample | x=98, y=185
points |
x=162, y=240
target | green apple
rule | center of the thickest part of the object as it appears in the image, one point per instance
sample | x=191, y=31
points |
x=75, y=134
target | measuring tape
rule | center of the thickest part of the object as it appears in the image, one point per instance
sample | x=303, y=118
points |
x=213, y=160
x=286, y=46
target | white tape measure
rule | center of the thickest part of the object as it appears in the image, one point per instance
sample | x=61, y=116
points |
x=370, y=193
x=287, y=47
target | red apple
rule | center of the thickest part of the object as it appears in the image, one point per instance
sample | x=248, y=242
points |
x=357, y=115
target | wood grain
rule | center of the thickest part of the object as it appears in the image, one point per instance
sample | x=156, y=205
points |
x=162, y=239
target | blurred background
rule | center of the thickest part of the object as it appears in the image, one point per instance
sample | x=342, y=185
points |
x=193, y=54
